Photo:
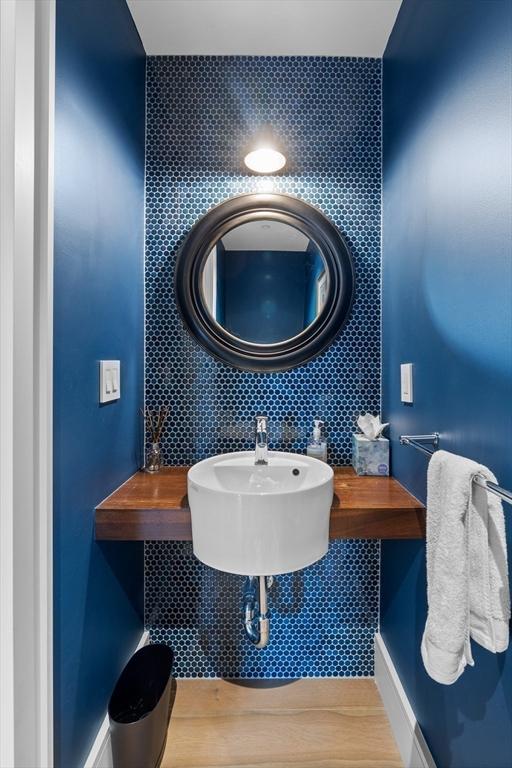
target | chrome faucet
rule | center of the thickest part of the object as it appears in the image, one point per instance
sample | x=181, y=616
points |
x=261, y=452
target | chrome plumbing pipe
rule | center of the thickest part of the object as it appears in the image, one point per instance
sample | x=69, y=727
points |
x=256, y=620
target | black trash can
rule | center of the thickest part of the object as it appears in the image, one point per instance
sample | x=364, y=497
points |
x=139, y=708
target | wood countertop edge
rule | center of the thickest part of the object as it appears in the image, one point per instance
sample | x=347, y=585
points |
x=336, y=510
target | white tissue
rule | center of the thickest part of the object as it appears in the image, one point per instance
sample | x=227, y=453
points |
x=371, y=426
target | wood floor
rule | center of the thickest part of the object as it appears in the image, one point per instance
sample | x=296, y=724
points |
x=304, y=724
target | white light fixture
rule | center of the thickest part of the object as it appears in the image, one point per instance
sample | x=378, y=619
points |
x=265, y=160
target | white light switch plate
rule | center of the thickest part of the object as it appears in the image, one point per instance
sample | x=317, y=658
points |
x=110, y=380
x=406, y=382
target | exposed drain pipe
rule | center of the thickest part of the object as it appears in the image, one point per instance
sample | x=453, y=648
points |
x=256, y=621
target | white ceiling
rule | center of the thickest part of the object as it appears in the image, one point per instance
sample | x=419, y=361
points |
x=265, y=27
x=265, y=236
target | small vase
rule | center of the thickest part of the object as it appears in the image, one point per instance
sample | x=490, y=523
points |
x=154, y=461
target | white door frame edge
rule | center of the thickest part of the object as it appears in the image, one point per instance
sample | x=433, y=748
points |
x=27, y=99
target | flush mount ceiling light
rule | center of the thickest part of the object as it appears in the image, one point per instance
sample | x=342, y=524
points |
x=265, y=160
x=264, y=153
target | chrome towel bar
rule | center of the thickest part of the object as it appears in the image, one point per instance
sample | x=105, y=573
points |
x=422, y=443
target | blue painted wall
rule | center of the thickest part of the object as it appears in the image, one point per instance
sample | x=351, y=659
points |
x=99, y=193
x=265, y=293
x=447, y=308
x=201, y=112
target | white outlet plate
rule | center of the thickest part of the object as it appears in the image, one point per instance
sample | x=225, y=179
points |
x=406, y=383
x=110, y=380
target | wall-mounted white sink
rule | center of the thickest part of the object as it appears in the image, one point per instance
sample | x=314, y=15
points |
x=260, y=519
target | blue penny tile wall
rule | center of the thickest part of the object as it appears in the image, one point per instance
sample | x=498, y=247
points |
x=323, y=619
x=201, y=113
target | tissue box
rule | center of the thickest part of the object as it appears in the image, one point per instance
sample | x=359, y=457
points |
x=370, y=457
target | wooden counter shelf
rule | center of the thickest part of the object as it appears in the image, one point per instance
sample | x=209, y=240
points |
x=155, y=507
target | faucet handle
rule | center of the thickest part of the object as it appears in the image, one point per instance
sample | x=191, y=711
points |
x=261, y=423
x=261, y=440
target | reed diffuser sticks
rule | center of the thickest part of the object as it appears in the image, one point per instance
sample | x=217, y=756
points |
x=154, y=421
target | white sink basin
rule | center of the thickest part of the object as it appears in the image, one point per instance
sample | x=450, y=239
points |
x=260, y=520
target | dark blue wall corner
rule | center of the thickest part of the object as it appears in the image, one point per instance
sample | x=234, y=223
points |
x=283, y=285
x=447, y=308
x=99, y=224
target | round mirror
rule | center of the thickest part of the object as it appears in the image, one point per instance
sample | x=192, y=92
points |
x=264, y=281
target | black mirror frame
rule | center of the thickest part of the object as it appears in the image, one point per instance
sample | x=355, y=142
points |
x=291, y=352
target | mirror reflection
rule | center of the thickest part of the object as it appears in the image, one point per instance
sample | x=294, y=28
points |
x=265, y=282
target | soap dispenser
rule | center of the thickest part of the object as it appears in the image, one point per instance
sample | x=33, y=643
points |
x=317, y=446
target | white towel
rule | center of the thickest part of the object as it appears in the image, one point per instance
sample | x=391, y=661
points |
x=467, y=575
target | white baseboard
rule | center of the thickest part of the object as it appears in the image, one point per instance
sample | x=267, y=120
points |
x=406, y=730
x=100, y=755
